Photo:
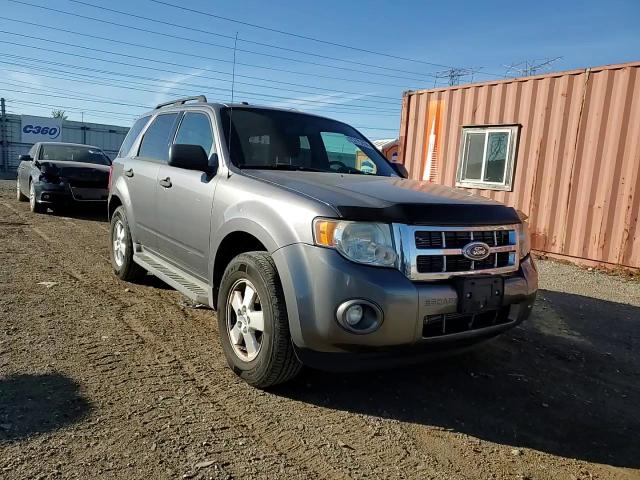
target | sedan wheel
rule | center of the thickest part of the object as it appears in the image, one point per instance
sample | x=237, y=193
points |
x=245, y=320
x=19, y=194
x=33, y=204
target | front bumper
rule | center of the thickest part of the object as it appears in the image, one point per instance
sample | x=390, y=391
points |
x=316, y=280
x=64, y=194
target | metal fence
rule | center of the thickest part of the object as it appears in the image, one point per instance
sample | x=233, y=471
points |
x=107, y=137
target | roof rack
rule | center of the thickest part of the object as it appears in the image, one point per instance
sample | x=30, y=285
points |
x=182, y=101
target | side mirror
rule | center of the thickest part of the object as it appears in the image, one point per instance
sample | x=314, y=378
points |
x=400, y=170
x=189, y=157
x=25, y=158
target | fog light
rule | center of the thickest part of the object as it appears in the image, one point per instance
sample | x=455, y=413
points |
x=353, y=315
x=359, y=316
x=45, y=196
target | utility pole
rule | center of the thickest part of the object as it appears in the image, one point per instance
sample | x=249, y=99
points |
x=3, y=136
x=84, y=130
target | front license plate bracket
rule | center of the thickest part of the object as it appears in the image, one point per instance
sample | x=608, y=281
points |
x=479, y=294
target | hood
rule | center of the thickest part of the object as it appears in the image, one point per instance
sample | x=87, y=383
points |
x=391, y=199
x=77, y=173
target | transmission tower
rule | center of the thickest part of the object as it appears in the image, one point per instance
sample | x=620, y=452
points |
x=527, y=68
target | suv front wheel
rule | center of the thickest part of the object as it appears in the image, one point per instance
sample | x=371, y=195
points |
x=252, y=322
x=122, y=248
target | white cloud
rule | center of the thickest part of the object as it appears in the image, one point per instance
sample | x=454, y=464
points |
x=174, y=81
x=24, y=77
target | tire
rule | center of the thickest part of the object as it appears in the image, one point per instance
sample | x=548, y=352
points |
x=34, y=206
x=19, y=195
x=275, y=361
x=121, y=248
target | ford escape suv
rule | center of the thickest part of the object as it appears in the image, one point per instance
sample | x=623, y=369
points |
x=311, y=246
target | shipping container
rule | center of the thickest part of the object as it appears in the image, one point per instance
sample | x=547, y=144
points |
x=564, y=148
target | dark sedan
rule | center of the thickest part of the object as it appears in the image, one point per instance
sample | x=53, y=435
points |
x=57, y=175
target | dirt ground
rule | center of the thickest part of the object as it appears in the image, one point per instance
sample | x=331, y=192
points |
x=103, y=379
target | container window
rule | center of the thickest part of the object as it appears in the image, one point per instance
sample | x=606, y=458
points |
x=487, y=157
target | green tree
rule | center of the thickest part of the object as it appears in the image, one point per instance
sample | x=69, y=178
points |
x=58, y=114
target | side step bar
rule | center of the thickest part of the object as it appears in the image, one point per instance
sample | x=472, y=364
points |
x=194, y=289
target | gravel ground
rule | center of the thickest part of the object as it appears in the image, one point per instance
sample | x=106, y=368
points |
x=102, y=379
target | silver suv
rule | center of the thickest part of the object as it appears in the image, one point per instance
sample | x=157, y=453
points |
x=311, y=246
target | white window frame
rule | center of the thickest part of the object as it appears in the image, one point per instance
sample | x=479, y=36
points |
x=509, y=168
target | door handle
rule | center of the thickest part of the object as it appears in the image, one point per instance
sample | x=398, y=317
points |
x=166, y=182
x=129, y=173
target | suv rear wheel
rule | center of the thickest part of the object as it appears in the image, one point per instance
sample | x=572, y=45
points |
x=122, y=248
x=253, y=323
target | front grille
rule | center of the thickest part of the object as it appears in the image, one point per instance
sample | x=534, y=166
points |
x=432, y=253
x=452, y=323
x=459, y=263
x=429, y=239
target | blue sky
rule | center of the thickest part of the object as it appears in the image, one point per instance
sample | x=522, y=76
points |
x=44, y=68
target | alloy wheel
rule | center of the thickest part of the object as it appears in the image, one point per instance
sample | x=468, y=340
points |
x=32, y=196
x=119, y=243
x=245, y=320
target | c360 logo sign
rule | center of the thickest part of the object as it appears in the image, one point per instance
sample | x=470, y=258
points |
x=51, y=132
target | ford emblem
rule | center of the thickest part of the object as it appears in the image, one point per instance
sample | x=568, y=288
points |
x=476, y=251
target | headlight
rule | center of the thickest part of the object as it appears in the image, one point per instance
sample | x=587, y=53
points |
x=361, y=242
x=524, y=239
x=48, y=178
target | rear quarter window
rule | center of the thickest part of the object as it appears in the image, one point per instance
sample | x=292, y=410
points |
x=129, y=140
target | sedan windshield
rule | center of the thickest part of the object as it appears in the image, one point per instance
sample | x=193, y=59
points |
x=73, y=153
x=280, y=140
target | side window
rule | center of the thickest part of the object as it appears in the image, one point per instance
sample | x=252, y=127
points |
x=133, y=133
x=195, y=129
x=157, y=138
x=487, y=157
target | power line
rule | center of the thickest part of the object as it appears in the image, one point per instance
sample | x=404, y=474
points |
x=282, y=32
x=529, y=68
x=135, y=57
x=324, y=106
x=46, y=92
x=164, y=50
x=208, y=32
x=49, y=105
x=113, y=114
x=111, y=102
x=201, y=88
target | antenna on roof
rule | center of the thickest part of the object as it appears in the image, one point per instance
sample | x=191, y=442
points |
x=233, y=84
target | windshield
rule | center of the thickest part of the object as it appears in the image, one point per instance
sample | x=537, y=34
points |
x=273, y=139
x=71, y=153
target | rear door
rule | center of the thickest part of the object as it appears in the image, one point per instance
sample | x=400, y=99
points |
x=141, y=173
x=185, y=199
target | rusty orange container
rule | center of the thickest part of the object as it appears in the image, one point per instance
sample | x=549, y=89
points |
x=575, y=147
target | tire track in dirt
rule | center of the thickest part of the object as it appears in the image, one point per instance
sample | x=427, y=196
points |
x=240, y=456
x=326, y=437
x=321, y=451
x=76, y=269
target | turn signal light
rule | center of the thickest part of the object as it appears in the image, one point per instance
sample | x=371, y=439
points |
x=325, y=231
